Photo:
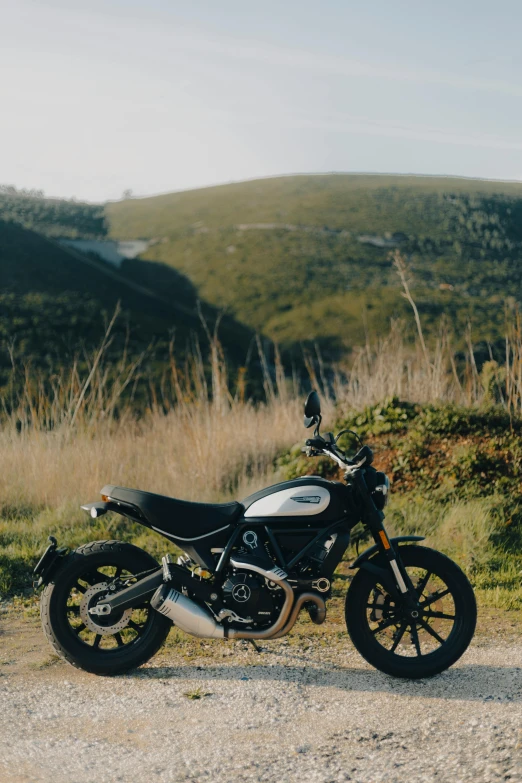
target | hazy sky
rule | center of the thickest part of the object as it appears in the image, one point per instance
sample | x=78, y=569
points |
x=97, y=96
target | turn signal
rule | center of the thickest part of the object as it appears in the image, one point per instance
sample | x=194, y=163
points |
x=384, y=539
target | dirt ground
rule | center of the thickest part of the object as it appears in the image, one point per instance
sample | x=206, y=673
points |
x=305, y=709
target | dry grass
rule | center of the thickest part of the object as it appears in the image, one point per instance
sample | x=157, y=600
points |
x=60, y=442
x=196, y=451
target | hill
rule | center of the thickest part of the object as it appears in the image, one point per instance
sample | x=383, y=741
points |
x=307, y=257
x=50, y=216
x=55, y=304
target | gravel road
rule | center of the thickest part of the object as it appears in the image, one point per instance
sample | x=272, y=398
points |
x=283, y=715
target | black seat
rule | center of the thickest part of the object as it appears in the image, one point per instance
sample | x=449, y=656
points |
x=179, y=518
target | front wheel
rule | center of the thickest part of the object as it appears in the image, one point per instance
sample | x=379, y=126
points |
x=109, y=644
x=393, y=640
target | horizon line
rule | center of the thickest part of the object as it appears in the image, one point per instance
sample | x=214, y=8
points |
x=288, y=175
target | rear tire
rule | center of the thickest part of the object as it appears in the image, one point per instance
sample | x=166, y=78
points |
x=391, y=641
x=61, y=612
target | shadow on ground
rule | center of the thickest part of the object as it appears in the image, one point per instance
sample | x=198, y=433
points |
x=472, y=682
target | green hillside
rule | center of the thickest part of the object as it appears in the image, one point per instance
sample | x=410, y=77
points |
x=307, y=257
x=55, y=304
x=53, y=217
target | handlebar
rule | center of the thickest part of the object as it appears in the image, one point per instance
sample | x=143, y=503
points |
x=319, y=444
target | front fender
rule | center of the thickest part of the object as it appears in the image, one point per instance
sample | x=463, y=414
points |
x=373, y=549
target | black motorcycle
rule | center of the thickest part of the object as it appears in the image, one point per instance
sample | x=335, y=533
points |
x=249, y=568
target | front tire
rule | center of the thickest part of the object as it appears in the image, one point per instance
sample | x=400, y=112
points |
x=390, y=640
x=98, y=645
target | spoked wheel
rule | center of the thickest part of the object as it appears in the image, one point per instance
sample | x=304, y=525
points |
x=420, y=642
x=101, y=644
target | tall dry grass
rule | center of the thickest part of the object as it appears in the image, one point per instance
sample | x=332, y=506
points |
x=63, y=438
x=198, y=452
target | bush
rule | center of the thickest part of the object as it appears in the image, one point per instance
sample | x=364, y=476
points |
x=391, y=416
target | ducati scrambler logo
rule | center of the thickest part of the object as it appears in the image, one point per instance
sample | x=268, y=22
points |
x=307, y=499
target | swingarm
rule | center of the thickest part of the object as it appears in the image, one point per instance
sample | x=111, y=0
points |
x=136, y=593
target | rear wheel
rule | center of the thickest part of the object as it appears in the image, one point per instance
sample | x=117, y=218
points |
x=393, y=640
x=101, y=644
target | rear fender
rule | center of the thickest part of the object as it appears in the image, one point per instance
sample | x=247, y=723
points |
x=49, y=563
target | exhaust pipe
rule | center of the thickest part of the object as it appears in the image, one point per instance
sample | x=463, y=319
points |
x=317, y=612
x=186, y=614
x=196, y=620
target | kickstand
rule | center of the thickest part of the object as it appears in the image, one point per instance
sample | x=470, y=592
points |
x=255, y=646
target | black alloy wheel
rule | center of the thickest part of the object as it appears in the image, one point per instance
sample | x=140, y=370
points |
x=413, y=642
x=100, y=644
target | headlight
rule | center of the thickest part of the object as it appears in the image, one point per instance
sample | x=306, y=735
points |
x=381, y=490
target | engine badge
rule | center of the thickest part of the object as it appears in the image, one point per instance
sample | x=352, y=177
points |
x=241, y=593
x=250, y=539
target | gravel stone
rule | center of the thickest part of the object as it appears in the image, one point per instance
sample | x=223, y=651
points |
x=284, y=715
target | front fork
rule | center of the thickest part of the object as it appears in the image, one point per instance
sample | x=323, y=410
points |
x=374, y=518
x=404, y=584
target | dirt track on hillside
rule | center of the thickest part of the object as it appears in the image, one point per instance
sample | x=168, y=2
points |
x=284, y=715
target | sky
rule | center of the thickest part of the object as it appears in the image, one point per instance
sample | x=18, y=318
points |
x=101, y=96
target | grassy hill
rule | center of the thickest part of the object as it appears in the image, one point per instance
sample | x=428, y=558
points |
x=55, y=304
x=300, y=258
x=52, y=217
x=307, y=257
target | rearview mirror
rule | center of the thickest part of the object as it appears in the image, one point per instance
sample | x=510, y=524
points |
x=312, y=409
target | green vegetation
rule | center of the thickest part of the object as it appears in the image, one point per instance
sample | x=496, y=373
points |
x=300, y=259
x=55, y=305
x=455, y=478
x=307, y=257
x=52, y=217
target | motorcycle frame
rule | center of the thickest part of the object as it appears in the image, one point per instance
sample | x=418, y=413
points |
x=273, y=529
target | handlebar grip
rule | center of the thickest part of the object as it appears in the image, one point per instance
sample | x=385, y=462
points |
x=316, y=443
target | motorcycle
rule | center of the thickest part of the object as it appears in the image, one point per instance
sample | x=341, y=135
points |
x=249, y=568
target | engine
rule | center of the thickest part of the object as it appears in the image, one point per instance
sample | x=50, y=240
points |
x=249, y=596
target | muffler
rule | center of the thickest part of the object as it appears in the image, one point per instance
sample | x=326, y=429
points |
x=186, y=614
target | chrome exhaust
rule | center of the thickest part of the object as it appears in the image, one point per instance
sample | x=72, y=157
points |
x=198, y=621
x=186, y=614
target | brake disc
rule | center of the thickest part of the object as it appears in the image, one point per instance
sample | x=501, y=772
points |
x=105, y=625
